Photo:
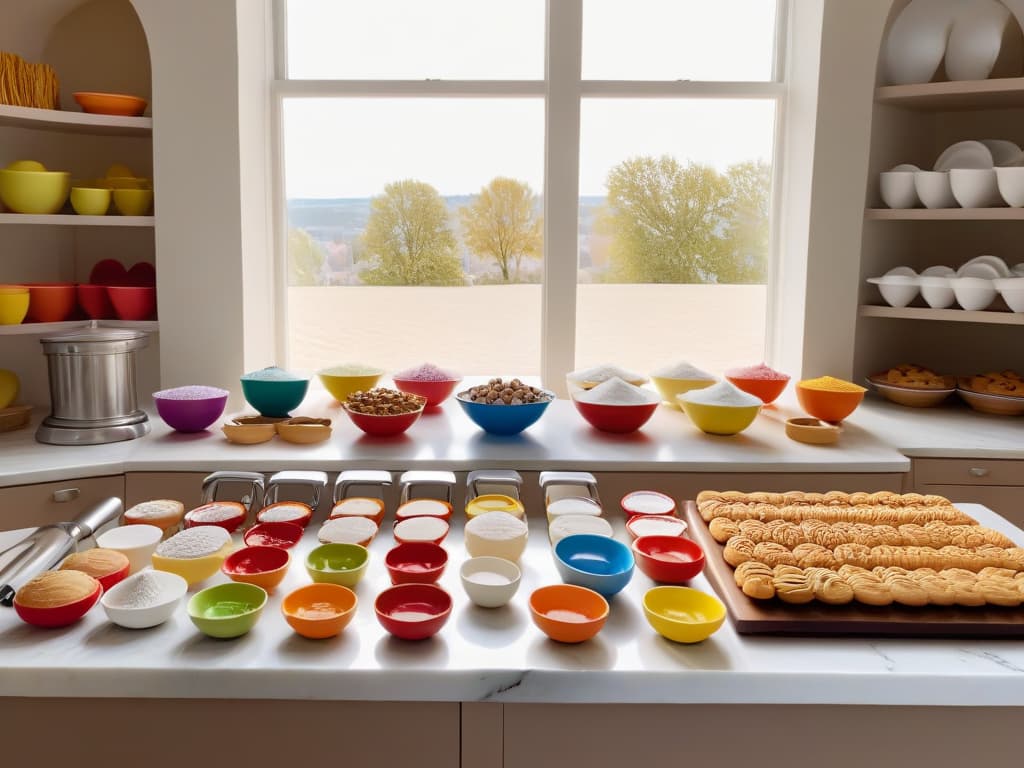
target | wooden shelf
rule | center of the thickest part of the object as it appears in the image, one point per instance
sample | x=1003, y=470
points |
x=947, y=315
x=945, y=214
x=74, y=220
x=30, y=329
x=74, y=122
x=1001, y=93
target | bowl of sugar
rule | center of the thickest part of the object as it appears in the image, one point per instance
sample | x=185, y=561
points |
x=490, y=582
x=145, y=599
x=616, y=406
x=679, y=378
x=721, y=409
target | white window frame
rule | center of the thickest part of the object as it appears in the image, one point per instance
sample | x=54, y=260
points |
x=563, y=90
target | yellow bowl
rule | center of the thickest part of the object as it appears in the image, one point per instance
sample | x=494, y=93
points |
x=13, y=304
x=37, y=192
x=669, y=388
x=720, y=419
x=26, y=165
x=88, y=201
x=124, y=182
x=683, y=614
x=341, y=385
x=133, y=202
x=194, y=569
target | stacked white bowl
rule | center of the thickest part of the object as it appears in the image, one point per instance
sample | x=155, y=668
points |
x=973, y=286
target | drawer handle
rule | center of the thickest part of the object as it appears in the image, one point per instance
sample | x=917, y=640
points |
x=66, y=494
x=977, y=472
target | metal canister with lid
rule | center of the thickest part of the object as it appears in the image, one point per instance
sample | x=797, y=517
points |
x=93, y=396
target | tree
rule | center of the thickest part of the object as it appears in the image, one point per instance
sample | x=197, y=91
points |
x=306, y=258
x=409, y=237
x=747, y=232
x=665, y=220
x=501, y=223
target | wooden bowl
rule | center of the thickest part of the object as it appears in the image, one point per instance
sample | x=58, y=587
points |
x=812, y=431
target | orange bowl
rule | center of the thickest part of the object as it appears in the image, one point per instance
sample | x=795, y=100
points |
x=567, y=613
x=766, y=389
x=51, y=302
x=318, y=611
x=828, y=405
x=110, y=103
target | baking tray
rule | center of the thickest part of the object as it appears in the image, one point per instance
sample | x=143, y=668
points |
x=774, y=617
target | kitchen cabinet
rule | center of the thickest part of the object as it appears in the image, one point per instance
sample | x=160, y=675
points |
x=185, y=487
x=26, y=506
x=996, y=483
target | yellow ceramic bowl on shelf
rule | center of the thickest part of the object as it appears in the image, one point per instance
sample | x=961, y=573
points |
x=720, y=419
x=669, y=389
x=124, y=182
x=13, y=304
x=341, y=384
x=683, y=614
x=133, y=202
x=38, y=192
x=194, y=569
x=90, y=201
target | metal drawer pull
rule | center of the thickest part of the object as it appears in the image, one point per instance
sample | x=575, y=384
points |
x=66, y=494
x=977, y=472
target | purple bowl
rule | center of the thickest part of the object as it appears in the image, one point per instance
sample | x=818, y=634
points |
x=190, y=409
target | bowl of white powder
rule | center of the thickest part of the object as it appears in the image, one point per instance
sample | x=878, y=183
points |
x=615, y=405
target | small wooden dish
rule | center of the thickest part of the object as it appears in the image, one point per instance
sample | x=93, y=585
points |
x=15, y=417
x=812, y=431
x=303, y=432
x=247, y=420
x=248, y=434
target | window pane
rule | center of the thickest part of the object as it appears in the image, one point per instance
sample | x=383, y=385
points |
x=674, y=227
x=414, y=39
x=396, y=257
x=678, y=39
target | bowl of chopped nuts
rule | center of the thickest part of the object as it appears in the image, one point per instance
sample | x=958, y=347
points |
x=504, y=407
x=384, y=412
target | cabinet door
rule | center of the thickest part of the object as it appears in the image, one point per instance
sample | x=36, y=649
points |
x=1006, y=500
x=968, y=472
x=24, y=506
x=185, y=487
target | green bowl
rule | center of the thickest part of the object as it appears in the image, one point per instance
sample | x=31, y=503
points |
x=342, y=564
x=227, y=610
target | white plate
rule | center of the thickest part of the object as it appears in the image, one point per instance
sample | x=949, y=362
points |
x=985, y=41
x=939, y=271
x=965, y=154
x=993, y=261
x=905, y=167
x=1003, y=152
x=1018, y=269
x=978, y=269
x=913, y=50
x=900, y=272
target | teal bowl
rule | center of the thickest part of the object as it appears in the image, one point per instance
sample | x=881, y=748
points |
x=227, y=610
x=274, y=398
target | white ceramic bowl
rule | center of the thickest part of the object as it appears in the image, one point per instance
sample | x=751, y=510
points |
x=896, y=290
x=1011, y=185
x=136, y=542
x=939, y=271
x=996, y=263
x=171, y=588
x=936, y=291
x=975, y=187
x=490, y=582
x=1012, y=291
x=973, y=293
x=898, y=190
x=933, y=189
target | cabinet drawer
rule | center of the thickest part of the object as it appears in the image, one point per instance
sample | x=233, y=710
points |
x=1005, y=500
x=23, y=506
x=968, y=472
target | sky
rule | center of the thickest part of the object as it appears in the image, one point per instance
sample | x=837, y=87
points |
x=353, y=147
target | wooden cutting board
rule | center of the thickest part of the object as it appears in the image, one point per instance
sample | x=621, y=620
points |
x=774, y=617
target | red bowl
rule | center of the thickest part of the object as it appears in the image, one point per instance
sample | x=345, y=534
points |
x=409, y=530
x=132, y=302
x=359, y=506
x=436, y=392
x=668, y=559
x=766, y=389
x=655, y=525
x=383, y=426
x=50, y=302
x=111, y=579
x=413, y=611
x=280, y=535
x=416, y=562
x=268, y=511
x=95, y=301
x=424, y=508
x=194, y=517
x=263, y=566
x=59, y=616
x=616, y=418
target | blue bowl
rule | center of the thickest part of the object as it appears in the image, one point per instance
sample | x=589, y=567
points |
x=504, y=419
x=595, y=562
x=274, y=398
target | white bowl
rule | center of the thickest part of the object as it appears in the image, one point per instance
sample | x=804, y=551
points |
x=975, y=187
x=905, y=167
x=964, y=154
x=908, y=271
x=136, y=542
x=939, y=271
x=996, y=263
x=898, y=190
x=985, y=42
x=170, y=589
x=936, y=291
x=980, y=269
x=1012, y=291
x=973, y=293
x=896, y=290
x=933, y=189
x=490, y=582
x=1011, y=185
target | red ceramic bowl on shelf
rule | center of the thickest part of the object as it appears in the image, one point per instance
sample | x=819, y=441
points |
x=616, y=418
x=280, y=535
x=50, y=302
x=435, y=392
x=383, y=426
x=95, y=302
x=413, y=611
x=668, y=559
x=60, y=615
x=416, y=562
x=132, y=302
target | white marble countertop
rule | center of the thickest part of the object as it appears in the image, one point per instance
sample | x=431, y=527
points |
x=447, y=439
x=498, y=655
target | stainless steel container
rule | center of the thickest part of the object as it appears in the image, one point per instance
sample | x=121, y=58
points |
x=93, y=395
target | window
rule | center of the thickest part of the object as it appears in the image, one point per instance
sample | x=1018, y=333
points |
x=453, y=192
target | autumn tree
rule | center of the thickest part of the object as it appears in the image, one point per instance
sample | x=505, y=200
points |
x=409, y=238
x=501, y=223
x=306, y=258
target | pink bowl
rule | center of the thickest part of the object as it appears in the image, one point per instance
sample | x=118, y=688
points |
x=436, y=392
x=132, y=302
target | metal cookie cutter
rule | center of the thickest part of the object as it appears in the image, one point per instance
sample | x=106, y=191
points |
x=251, y=499
x=361, y=482
x=504, y=481
x=560, y=485
x=439, y=482
x=313, y=483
